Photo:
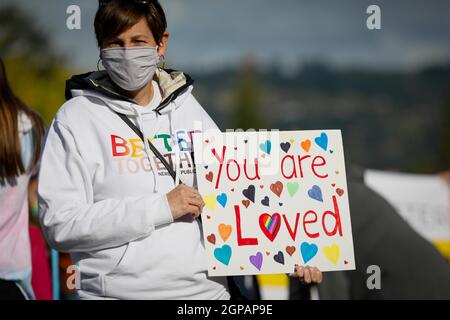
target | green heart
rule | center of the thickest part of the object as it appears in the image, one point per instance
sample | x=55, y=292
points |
x=292, y=188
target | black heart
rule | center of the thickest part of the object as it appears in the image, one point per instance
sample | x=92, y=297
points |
x=279, y=257
x=265, y=201
x=285, y=146
x=249, y=193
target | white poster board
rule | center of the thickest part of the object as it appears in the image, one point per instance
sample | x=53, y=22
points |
x=274, y=199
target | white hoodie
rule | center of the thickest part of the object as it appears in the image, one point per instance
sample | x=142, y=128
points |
x=102, y=194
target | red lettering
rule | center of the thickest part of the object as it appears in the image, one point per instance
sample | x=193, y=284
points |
x=228, y=170
x=293, y=234
x=337, y=218
x=294, y=172
x=321, y=164
x=242, y=241
x=305, y=222
x=256, y=170
x=300, y=159
x=224, y=148
x=115, y=145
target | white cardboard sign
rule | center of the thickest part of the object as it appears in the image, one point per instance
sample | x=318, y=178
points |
x=274, y=199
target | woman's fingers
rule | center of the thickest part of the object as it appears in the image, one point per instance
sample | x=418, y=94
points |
x=307, y=274
x=196, y=201
x=317, y=275
x=194, y=210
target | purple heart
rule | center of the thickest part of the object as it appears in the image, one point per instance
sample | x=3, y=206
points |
x=315, y=193
x=256, y=260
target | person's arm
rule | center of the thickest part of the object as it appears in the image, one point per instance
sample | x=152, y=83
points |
x=71, y=220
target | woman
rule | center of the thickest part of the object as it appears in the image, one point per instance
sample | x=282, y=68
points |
x=112, y=201
x=20, y=145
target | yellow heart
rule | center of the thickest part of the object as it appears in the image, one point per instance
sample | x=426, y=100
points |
x=332, y=253
x=291, y=140
x=224, y=231
x=210, y=201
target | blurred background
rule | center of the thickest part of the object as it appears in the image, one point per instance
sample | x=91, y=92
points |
x=287, y=64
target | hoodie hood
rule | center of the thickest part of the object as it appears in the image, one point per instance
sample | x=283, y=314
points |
x=174, y=85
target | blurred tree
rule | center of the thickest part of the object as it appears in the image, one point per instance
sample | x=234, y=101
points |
x=36, y=71
x=247, y=113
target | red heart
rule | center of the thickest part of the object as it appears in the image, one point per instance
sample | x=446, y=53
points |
x=209, y=176
x=272, y=231
x=277, y=188
x=206, y=141
x=345, y=262
x=232, y=190
x=261, y=186
x=340, y=192
x=211, y=238
x=208, y=217
x=333, y=185
x=246, y=203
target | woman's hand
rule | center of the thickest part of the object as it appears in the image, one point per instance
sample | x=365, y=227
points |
x=185, y=200
x=308, y=275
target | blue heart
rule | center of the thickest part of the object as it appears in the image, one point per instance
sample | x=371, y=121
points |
x=322, y=141
x=308, y=251
x=222, y=199
x=315, y=193
x=266, y=146
x=223, y=254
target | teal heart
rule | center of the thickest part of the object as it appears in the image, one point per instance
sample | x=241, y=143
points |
x=266, y=146
x=292, y=188
x=322, y=141
x=308, y=251
x=223, y=254
x=222, y=199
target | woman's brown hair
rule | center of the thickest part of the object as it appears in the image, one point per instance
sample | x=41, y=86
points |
x=11, y=164
x=117, y=16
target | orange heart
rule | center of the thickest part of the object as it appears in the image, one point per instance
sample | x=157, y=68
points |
x=246, y=203
x=277, y=188
x=209, y=176
x=290, y=250
x=224, y=231
x=267, y=252
x=211, y=238
x=306, y=145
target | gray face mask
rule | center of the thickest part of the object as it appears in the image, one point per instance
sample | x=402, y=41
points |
x=130, y=68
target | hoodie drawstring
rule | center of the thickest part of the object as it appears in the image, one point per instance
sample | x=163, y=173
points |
x=175, y=143
x=147, y=150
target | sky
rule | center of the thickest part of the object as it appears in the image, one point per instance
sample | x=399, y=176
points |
x=210, y=34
